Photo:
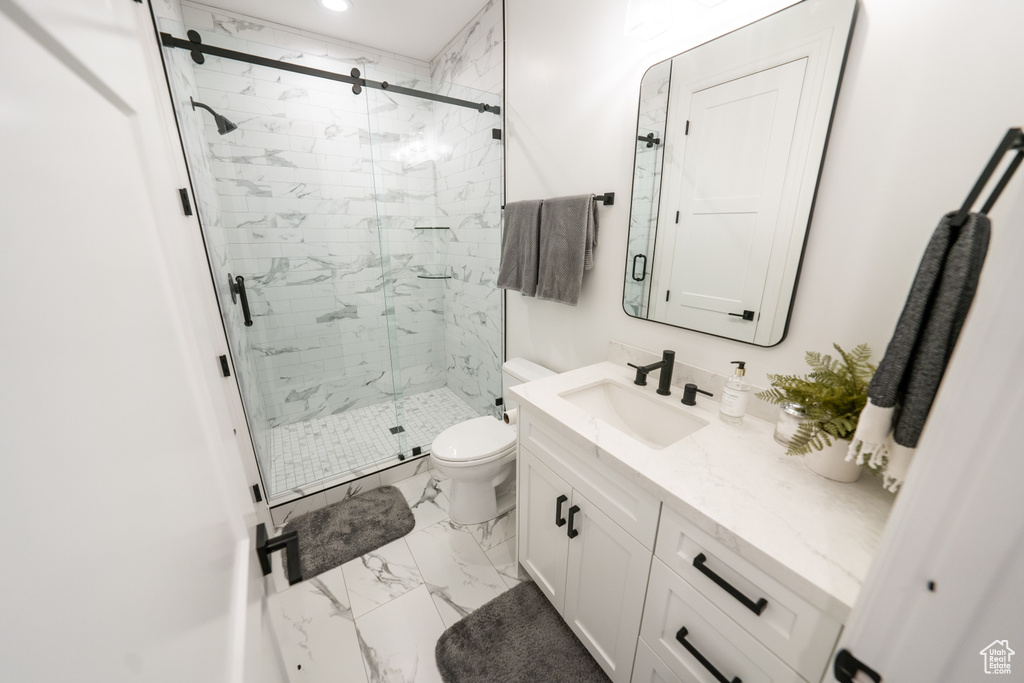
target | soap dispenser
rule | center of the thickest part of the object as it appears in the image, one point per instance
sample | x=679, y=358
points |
x=735, y=396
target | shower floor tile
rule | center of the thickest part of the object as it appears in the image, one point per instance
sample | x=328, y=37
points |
x=359, y=441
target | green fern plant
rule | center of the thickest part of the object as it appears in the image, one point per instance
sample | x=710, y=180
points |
x=832, y=395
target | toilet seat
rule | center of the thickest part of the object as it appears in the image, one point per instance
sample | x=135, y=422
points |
x=474, y=442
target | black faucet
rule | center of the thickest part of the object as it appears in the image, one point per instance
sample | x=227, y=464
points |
x=690, y=394
x=667, y=363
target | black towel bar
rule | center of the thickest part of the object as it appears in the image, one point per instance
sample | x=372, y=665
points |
x=608, y=198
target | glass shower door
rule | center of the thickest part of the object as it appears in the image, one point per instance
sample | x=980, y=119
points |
x=437, y=181
x=285, y=201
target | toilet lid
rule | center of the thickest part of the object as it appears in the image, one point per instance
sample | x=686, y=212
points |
x=475, y=439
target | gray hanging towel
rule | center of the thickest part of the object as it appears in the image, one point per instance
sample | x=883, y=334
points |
x=568, y=235
x=519, y=244
x=903, y=389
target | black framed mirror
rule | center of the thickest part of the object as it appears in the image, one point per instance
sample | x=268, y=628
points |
x=730, y=142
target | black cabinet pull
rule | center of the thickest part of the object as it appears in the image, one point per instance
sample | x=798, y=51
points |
x=559, y=519
x=746, y=315
x=573, y=533
x=755, y=607
x=643, y=271
x=237, y=287
x=681, y=637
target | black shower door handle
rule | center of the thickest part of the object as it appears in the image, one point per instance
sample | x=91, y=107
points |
x=755, y=607
x=643, y=271
x=681, y=637
x=559, y=519
x=573, y=533
x=237, y=287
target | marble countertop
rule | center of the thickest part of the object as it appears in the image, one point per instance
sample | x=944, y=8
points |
x=816, y=536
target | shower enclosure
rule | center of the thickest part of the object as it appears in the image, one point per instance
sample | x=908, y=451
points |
x=353, y=241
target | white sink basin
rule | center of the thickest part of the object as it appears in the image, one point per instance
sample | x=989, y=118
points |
x=654, y=423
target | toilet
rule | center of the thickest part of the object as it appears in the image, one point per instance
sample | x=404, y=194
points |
x=479, y=455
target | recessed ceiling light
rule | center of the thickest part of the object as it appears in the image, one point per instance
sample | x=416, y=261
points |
x=336, y=5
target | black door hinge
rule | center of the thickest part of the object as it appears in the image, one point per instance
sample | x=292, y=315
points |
x=186, y=205
x=224, y=368
x=256, y=493
x=847, y=666
x=495, y=133
x=499, y=401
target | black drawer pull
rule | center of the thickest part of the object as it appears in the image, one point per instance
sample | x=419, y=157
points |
x=559, y=519
x=755, y=607
x=573, y=533
x=681, y=637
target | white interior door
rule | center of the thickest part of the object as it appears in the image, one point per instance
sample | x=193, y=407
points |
x=739, y=136
x=946, y=581
x=127, y=550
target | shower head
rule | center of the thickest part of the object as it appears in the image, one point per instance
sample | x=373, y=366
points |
x=223, y=125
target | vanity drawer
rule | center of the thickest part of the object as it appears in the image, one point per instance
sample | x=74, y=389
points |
x=629, y=506
x=800, y=634
x=675, y=610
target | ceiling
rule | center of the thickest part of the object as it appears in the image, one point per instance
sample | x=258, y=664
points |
x=413, y=28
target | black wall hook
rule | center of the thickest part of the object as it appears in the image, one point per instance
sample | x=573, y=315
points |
x=1013, y=140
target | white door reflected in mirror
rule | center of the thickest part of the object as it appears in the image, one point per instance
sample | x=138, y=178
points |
x=721, y=206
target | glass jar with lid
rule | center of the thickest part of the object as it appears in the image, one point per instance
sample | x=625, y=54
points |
x=790, y=416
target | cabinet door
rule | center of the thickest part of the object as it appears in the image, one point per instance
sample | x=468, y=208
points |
x=542, y=541
x=606, y=580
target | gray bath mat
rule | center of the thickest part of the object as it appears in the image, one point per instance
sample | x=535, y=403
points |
x=517, y=637
x=350, y=528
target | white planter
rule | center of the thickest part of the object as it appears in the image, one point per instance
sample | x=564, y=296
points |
x=831, y=462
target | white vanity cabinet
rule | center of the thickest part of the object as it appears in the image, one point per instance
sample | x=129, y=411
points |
x=707, y=560
x=573, y=542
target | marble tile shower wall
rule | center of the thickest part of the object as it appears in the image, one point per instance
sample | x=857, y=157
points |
x=647, y=173
x=470, y=190
x=208, y=204
x=303, y=183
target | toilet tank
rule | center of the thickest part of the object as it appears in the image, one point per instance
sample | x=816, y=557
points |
x=519, y=371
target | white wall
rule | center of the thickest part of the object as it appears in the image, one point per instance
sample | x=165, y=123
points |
x=927, y=95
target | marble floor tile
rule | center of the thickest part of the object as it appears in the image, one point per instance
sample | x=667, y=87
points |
x=376, y=619
x=503, y=557
x=493, y=533
x=455, y=570
x=316, y=630
x=428, y=504
x=397, y=639
x=381, y=576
